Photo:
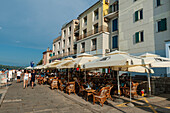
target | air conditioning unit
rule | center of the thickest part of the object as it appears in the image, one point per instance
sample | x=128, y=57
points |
x=107, y=50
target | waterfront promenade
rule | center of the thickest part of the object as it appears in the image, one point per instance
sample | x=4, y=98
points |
x=42, y=99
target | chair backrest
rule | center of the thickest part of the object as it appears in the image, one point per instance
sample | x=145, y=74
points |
x=135, y=86
x=72, y=85
x=55, y=81
x=103, y=91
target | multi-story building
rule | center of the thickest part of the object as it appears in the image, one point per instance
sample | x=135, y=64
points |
x=112, y=20
x=140, y=26
x=46, y=56
x=92, y=35
x=63, y=46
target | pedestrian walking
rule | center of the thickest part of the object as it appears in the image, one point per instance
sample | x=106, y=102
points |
x=26, y=77
x=33, y=78
x=18, y=75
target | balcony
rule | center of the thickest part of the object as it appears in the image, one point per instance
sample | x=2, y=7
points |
x=63, y=55
x=92, y=32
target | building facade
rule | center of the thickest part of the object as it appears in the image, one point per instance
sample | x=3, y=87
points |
x=92, y=37
x=133, y=26
x=63, y=46
x=46, y=56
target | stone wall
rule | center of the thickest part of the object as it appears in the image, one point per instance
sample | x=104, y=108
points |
x=160, y=85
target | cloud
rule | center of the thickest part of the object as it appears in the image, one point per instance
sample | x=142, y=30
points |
x=0, y=27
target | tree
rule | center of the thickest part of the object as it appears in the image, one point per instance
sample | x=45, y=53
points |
x=40, y=62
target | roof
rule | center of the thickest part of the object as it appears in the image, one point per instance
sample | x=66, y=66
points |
x=47, y=51
x=67, y=23
x=56, y=39
x=89, y=8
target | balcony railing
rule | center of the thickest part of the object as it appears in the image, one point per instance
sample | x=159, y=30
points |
x=92, y=32
x=64, y=54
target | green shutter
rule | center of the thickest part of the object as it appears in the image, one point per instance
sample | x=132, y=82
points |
x=136, y=16
x=137, y=37
x=163, y=25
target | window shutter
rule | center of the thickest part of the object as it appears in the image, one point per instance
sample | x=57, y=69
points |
x=136, y=16
x=137, y=37
x=163, y=24
x=141, y=14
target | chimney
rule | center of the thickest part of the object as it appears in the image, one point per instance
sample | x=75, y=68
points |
x=48, y=49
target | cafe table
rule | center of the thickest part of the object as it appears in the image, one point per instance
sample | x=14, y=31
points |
x=89, y=92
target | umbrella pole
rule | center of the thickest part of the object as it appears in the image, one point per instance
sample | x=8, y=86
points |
x=85, y=76
x=68, y=75
x=149, y=83
x=118, y=83
x=130, y=87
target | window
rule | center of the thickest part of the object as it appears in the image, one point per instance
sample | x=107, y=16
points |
x=114, y=42
x=134, y=0
x=158, y=3
x=59, y=45
x=50, y=55
x=161, y=25
x=64, y=33
x=139, y=37
x=114, y=25
x=96, y=14
x=68, y=50
x=69, y=40
x=63, y=43
x=96, y=28
x=58, y=52
x=139, y=15
x=53, y=54
x=106, y=1
x=84, y=33
x=94, y=44
x=114, y=7
x=83, y=47
x=63, y=51
x=85, y=21
x=69, y=30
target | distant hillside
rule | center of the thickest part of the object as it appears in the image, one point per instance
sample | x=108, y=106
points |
x=10, y=67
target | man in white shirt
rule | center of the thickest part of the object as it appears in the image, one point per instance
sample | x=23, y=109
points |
x=19, y=75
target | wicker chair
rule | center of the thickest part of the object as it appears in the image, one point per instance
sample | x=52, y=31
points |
x=133, y=90
x=71, y=88
x=61, y=85
x=101, y=96
x=108, y=93
x=54, y=84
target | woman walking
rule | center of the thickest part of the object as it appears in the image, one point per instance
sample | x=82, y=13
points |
x=26, y=76
x=33, y=78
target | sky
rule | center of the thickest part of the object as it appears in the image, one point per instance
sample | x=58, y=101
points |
x=28, y=27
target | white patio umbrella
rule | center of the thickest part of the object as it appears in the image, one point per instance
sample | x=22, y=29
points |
x=64, y=61
x=80, y=60
x=49, y=64
x=154, y=61
x=38, y=67
x=29, y=67
x=117, y=60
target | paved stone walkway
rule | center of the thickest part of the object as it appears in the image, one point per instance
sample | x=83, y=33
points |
x=38, y=100
x=42, y=99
